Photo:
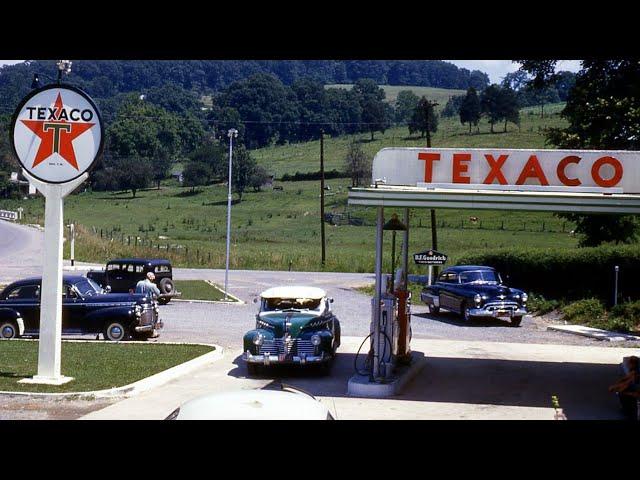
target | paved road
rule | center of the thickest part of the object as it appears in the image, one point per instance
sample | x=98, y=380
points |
x=20, y=251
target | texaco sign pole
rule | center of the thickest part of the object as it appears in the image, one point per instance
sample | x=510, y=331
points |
x=57, y=136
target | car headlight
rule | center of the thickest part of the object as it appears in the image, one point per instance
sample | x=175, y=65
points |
x=258, y=339
x=525, y=297
x=478, y=299
x=138, y=310
x=315, y=340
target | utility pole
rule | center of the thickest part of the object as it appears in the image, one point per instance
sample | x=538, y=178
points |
x=431, y=105
x=322, y=194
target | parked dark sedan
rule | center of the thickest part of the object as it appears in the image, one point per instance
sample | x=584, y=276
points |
x=86, y=309
x=475, y=291
x=122, y=275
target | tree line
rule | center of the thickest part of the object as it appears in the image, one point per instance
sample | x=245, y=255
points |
x=108, y=78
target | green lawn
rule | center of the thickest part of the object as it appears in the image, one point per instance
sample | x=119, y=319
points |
x=280, y=229
x=199, y=290
x=94, y=366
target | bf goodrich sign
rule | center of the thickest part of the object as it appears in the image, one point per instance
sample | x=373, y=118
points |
x=616, y=171
x=57, y=133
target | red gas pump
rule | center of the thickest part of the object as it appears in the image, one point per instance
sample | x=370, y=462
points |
x=404, y=326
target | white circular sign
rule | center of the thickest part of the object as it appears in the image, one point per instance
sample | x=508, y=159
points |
x=57, y=133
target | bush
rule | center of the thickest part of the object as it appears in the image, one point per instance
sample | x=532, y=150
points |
x=540, y=305
x=297, y=177
x=570, y=274
x=626, y=316
x=589, y=311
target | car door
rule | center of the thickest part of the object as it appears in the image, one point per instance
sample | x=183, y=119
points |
x=73, y=311
x=25, y=300
x=121, y=277
x=447, y=296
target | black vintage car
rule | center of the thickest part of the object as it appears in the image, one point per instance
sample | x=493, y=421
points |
x=475, y=291
x=121, y=276
x=86, y=309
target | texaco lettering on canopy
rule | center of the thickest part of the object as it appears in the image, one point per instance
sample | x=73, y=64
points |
x=509, y=167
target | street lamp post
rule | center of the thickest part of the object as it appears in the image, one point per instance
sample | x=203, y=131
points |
x=233, y=133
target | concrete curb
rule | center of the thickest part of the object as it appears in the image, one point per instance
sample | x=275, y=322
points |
x=596, y=333
x=359, y=386
x=135, y=388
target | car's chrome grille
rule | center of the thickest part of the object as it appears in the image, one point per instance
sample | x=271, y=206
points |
x=279, y=347
x=509, y=306
x=147, y=317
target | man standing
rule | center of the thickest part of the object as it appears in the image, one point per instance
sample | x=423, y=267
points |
x=147, y=287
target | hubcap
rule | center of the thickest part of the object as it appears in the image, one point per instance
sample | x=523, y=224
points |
x=7, y=331
x=116, y=332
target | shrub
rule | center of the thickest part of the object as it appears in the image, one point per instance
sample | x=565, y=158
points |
x=626, y=316
x=589, y=311
x=569, y=274
x=540, y=305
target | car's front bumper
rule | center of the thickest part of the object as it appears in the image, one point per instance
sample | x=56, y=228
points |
x=272, y=359
x=149, y=328
x=497, y=313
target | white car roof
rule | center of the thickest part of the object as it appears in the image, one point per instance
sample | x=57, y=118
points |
x=294, y=292
x=253, y=405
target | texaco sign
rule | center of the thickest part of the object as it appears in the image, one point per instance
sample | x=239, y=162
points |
x=57, y=133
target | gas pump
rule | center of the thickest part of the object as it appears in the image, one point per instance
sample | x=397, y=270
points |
x=384, y=345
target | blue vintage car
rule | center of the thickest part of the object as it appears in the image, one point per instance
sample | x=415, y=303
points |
x=86, y=309
x=295, y=325
x=475, y=291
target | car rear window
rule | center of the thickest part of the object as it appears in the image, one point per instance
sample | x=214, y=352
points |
x=26, y=291
x=163, y=268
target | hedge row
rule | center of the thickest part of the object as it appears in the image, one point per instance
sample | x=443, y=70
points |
x=297, y=177
x=568, y=274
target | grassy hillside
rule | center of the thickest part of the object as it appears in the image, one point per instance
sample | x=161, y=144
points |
x=440, y=95
x=280, y=229
x=305, y=157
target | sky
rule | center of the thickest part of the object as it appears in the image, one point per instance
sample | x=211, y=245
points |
x=496, y=69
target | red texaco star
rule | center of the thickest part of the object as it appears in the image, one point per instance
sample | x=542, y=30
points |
x=56, y=136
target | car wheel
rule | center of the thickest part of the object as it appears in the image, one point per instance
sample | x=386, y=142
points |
x=466, y=313
x=252, y=369
x=433, y=309
x=163, y=300
x=116, y=332
x=515, y=321
x=166, y=285
x=8, y=330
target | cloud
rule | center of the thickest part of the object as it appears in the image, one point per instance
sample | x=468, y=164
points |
x=497, y=69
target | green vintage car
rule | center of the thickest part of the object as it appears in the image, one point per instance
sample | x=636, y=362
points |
x=295, y=325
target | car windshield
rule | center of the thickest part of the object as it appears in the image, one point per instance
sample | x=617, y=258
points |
x=88, y=287
x=480, y=276
x=271, y=304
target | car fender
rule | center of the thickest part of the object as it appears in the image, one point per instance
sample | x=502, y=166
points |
x=10, y=314
x=124, y=314
x=247, y=340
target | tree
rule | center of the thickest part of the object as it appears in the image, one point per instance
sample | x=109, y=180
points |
x=424, y=119
x=470, y=110
x=196, y=174
x=603, y=111
x=452, y=107
x=508, y=106
x=490, y=104
x=244, y=169
x=406, y=102
x=374, y=111
x=356, y=164
x=258, y=178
